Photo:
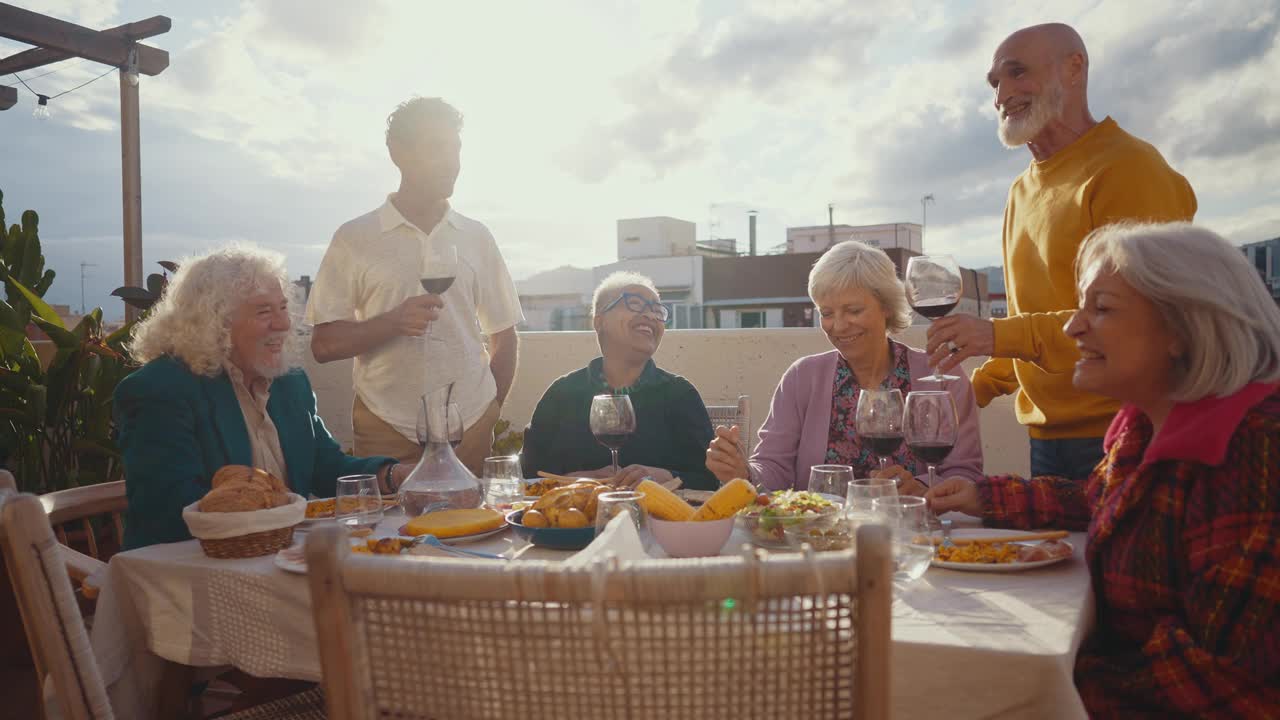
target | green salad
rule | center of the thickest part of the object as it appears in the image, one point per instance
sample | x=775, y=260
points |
x=785, y=508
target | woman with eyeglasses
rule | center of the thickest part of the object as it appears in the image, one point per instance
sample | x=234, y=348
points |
x=672, y=425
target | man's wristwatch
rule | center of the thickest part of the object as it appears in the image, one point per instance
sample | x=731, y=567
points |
x=391, y=469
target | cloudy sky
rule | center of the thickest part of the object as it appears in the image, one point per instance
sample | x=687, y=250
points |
x=267, y=126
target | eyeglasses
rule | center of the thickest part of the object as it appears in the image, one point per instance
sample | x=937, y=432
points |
x=640, y=304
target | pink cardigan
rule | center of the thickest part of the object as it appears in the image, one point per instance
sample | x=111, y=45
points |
x=794, y=436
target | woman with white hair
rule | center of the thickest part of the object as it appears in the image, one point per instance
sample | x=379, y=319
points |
x=219, y=388
x=856, y=290
x=1183, y=513
x=672, y=425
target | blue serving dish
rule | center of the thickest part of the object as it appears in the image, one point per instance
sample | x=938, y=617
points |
x=552, y=538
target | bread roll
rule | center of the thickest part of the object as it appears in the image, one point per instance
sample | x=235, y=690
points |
x=237, y=497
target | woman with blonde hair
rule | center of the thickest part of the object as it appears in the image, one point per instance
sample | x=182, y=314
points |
x=1183, y=513
x=856, y=291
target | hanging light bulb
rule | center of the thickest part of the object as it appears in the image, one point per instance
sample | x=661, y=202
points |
x=131, y=67
x=42, y=107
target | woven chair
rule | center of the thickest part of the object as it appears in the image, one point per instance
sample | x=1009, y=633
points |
x=740, y=638
x=57, y=633
x=81, y=506
x=730, y=415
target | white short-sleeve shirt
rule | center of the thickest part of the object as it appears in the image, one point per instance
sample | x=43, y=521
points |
x=372, y=265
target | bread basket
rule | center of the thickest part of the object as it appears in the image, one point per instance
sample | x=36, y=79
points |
x=246, y=534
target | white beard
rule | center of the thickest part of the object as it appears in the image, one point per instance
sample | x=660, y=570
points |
x=1045, y=107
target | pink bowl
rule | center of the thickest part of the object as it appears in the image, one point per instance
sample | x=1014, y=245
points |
x=692, y=538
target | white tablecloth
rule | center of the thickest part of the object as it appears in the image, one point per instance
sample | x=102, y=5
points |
x=965, y=645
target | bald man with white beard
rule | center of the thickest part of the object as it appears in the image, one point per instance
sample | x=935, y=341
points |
x=1083, y=174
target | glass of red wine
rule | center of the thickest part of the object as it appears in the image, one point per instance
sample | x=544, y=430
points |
x=878, y=422
x=613, y=420
x=934, y=288
x=439, y=268
x=930, y=427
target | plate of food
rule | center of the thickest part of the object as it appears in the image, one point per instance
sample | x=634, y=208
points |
x=456, y=526
x=321, y=509
x=294, y=559
x=990, y=550
x=767, y=520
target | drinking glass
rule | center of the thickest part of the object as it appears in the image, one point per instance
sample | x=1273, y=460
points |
x=934, y=288
x=611, y=504
x=439, y=269
x=878, y=422
x=864, y=491
x=830, y=479
x=358, y=504
x=613, y=420
x=930, y=427
x=504, y=482
x=912, y=538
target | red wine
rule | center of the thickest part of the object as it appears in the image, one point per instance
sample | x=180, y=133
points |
x=882, y=444
x=931, y=452
x=936, y=310
x=613, y=441
x=437, y=286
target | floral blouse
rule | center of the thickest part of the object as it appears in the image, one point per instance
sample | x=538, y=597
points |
x=843, y=446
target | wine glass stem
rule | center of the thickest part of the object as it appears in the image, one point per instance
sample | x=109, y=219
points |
x=932, y=480
x=616, y=469
x=884, y=462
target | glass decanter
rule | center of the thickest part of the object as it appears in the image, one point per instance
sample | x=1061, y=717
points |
x=439, y=480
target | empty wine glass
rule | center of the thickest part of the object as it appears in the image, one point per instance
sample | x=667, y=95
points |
x=934, y=288
x=864, y=491
x=439, y=269
x=913, y=547
x=613, y=420
x=357, y=502
x=830, y=479
x=878, y=422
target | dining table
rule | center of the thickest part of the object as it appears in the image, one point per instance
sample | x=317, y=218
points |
x=964, y=644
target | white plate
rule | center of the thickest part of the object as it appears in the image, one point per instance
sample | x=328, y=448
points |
x=291, y=559
x=460, y=539
x=998, y=567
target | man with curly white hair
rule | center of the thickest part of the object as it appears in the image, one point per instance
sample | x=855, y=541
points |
x=219, y=387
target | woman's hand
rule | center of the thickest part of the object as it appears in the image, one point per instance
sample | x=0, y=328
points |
x=907, y=483
x=725, y=458
x=955, y=493
x=631, y=475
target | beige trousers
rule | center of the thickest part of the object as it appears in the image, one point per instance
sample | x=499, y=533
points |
x=373, y=436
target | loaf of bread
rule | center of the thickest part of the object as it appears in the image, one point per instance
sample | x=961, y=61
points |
x=240, y=488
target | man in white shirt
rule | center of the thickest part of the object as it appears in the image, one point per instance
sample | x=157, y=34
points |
x=368, y=301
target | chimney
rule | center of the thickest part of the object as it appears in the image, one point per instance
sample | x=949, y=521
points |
x=751, y=231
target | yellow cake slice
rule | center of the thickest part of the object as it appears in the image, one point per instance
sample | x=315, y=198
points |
x=455, y=523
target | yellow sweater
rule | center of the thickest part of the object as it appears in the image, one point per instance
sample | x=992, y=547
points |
x=1105, y=176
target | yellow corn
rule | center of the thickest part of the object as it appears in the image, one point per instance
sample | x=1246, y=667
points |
x=727, y=501
x=662, y=503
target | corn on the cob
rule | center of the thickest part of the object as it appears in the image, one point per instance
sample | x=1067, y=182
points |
x=662, y=503
x=727, y=501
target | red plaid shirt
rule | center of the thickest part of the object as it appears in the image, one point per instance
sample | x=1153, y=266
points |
x=1184, y=552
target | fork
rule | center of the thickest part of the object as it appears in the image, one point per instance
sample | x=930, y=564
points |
x=946, y=533
x=435, y=542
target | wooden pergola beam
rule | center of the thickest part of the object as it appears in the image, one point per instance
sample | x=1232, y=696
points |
x=43, y=31
x=37, y=57
x=8, y=97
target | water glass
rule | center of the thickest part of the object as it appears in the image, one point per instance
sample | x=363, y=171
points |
x=830, y=480
x=357, y=503
x=612, y=504
x=913, y=548
x=864, y=491
x=503, y=480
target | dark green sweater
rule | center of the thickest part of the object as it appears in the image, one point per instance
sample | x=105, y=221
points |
x=672, y=427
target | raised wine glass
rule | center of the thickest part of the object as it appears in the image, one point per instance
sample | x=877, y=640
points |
x=878, y=422
x=439, y=269
x=612, y=422
x=934, y=288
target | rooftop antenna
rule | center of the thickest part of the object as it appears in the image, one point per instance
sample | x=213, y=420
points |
x=83, y=265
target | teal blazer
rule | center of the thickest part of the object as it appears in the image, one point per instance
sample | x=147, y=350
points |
x=175, y=429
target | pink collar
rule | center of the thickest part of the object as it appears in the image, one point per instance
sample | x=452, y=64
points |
x=1197, y=431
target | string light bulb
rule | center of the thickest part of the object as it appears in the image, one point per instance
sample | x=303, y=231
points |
x=42, y=107
x=131, y=67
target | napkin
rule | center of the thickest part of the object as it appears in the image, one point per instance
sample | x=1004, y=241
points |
x=619, y=538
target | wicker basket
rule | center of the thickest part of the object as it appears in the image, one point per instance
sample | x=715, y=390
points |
x=251, y=545
x=245, y=534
